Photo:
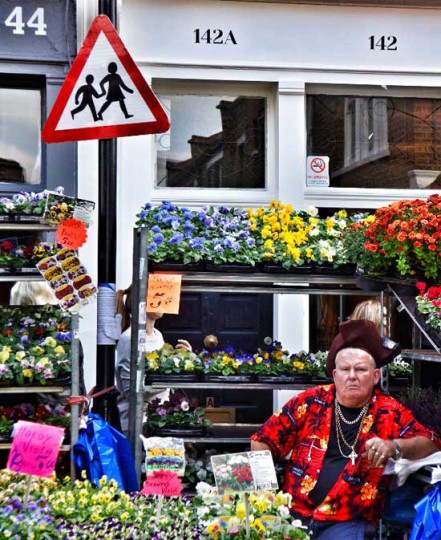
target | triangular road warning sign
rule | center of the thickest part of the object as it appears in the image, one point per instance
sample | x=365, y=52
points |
x=104, y=94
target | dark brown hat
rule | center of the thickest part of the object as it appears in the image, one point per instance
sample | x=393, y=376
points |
x=362, y=334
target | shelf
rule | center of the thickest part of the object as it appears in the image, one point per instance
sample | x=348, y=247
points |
x=21, y=277
x=420, y=354
x=17, y=226
x=34, y=389
x=230, y=386
x=260, y=282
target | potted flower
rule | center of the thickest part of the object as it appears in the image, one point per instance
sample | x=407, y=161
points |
x=281, y=236
x=228, y=242
x=228, y=365
x=29, y=206
x=429, y=304
x=402, y=239
x=400, y=371
x=273, y=364
x=170, y=364
x=6, y=256
x=176, y=415
x=6, y=423
x=172, y=237
x=225, y=516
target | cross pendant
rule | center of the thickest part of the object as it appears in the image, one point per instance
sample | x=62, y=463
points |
x=353, y=456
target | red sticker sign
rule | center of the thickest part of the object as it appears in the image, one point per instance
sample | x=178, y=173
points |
x=162, y=482
x=72, y=233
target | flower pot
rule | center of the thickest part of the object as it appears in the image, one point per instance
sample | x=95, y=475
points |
x=171, y=377
x=230, y=268
x=27, y=270
x=213, y=377
x=341, y=270
x=176, y=266
x=274, y=268
x=322, y=380
x=177, y=431
x=283, y=379
x=372, y=284
x=27, y=218
x=5, y=268
x=6, y=437
x=403, y=382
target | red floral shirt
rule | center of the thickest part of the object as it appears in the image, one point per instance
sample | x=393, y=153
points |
x=303, y=427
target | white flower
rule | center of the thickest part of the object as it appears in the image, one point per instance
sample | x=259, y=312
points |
x=185, y=406
x=283, y=511
x=202, y=488
x=312, y=210
x=202, y=511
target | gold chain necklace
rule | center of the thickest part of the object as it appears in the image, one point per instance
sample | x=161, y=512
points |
x=351, y=422
x=353, y=455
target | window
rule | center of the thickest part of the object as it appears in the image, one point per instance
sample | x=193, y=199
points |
x=20, y=126
x=216, y=140
x=377, y=141
x=365, y=130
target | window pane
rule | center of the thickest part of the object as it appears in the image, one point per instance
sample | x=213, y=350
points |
x=213, y=142
x=377, y=142
x=20, y=125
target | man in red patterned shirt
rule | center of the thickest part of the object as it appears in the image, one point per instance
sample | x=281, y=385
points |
x=338, y=438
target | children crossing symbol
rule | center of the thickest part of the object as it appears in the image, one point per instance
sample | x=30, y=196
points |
x=104, y=94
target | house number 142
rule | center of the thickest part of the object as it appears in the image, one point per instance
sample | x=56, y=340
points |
x=214, y=37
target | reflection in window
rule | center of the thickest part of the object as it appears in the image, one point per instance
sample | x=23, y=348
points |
x=377, y=142
x=213, y=142
x=20, y=125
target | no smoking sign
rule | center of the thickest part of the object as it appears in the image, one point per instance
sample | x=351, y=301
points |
x=317, y=171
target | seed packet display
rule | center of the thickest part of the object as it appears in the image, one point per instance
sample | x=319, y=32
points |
x=166, y=453
x=60, y=207
x=244, y=472
x=68, y=278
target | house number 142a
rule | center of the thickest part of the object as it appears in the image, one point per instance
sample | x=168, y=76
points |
x=214, y=37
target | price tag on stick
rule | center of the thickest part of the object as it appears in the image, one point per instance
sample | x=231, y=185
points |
x=72, y=233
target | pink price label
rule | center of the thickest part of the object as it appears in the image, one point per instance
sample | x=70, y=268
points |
x=162, y=482
x=35, y=448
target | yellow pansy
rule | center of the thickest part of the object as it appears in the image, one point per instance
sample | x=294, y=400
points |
x=27, y=373
x=50, y=342
x=59, y=350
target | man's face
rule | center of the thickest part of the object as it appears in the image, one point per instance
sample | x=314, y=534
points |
x=355, y=376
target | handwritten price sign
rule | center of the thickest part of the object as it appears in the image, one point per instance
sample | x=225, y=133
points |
x=164, y=293
x=165, y=483
x=35, y=448
x=72, y=233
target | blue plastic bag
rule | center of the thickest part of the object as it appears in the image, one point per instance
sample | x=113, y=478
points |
x=427, y=524
x=102, y=450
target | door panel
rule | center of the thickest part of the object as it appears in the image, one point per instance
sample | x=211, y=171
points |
x=238, y=320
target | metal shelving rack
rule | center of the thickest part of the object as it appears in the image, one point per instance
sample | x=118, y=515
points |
x=254, y=282
x=74, y=387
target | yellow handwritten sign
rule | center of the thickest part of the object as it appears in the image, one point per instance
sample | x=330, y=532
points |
x=164, y=293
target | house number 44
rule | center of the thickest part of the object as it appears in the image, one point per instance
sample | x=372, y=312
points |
x=214, y=37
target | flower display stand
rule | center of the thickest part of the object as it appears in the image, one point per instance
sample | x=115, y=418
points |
x=272, y=282
x=66, y=384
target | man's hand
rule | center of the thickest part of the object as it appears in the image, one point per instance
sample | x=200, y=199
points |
x=183, y=344
x=378, y=451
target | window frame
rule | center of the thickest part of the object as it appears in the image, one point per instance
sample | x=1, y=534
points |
x=332, y=197
x=252, y=197
x=38, y=82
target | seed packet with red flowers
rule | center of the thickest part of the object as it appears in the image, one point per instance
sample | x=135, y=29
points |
x=244, y=471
